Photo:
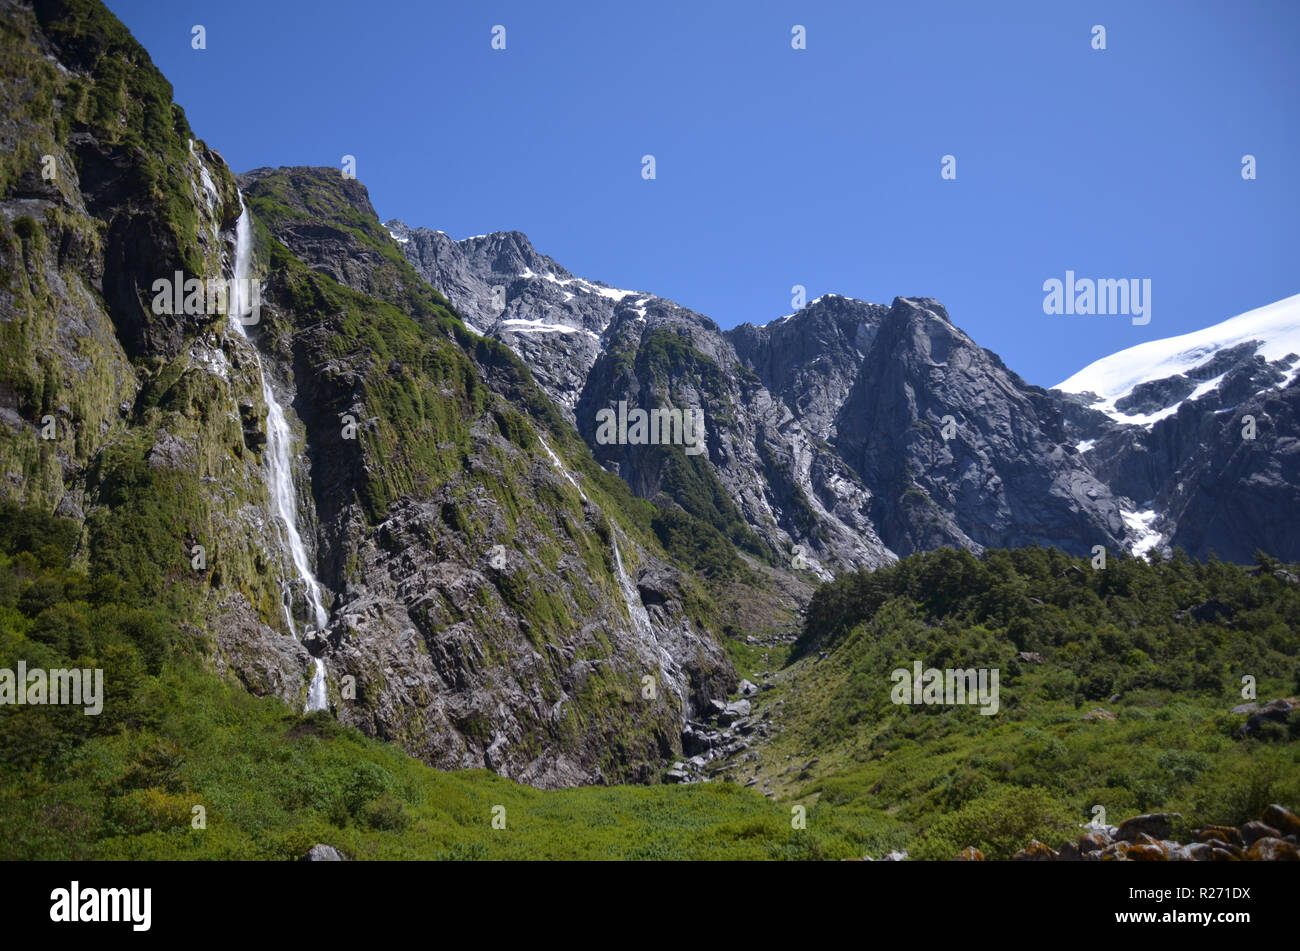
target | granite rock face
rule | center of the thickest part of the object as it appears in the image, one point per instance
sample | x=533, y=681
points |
x=783, y=491
x=848, y=434
x=825, y=429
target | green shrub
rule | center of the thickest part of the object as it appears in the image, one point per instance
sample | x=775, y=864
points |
x=1000, y=825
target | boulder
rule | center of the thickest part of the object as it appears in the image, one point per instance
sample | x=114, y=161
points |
x=1282, y=819
x=323, y=853
x=1093, y=841
x=1275, y=711
x=1270, y=849
x=1096, y=716
x=1158, y=825
x=1252, y=831
x=969, y=854
x=734, y=712
x=1035, y=851
x=1226, y=853
x=1213, y=834
x=1147, y=852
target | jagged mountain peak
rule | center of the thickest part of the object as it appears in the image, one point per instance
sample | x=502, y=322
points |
x=506, y=254
x=795, y=410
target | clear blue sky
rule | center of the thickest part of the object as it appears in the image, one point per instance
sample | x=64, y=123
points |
x=779, y=167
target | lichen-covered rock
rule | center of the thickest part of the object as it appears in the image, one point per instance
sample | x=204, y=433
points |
x=1093, y=841
x=1035, y=851
x=1219, y=834
x=1146, y=853
x=1282, y=819
x=1270, y=849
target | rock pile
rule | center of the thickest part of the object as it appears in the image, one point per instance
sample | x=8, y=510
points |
x=726, y=730
x=1148, y=839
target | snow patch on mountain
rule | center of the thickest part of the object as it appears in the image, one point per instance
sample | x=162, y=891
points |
x=521, y=326
x=1274, y=328
x=587, y=287
x=1142, y=525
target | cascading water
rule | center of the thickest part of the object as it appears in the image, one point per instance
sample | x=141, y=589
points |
x=668, y=668
x=279, y=465
x=641, y=622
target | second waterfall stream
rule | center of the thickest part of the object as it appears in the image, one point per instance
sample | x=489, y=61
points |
x=279, y=465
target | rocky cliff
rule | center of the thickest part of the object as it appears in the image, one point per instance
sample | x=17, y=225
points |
x=494, y=597
x=841, y=436
x=1202, y=431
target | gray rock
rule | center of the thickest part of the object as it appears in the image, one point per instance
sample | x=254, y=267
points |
x=739, y=708
x=323, y=853
x=1275, y=711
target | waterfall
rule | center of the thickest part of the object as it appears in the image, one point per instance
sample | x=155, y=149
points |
x=631, y=597
x=668, y=667
x=279, y=464
x=641, y=622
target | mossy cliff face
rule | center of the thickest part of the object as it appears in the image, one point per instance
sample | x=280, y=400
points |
x=145, y=427
x=420, y=447
x=466, y=531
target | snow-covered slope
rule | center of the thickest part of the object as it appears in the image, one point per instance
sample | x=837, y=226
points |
x=1274, y=329
x=1198, y=435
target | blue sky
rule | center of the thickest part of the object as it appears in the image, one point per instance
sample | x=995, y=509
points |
x=778, y=167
